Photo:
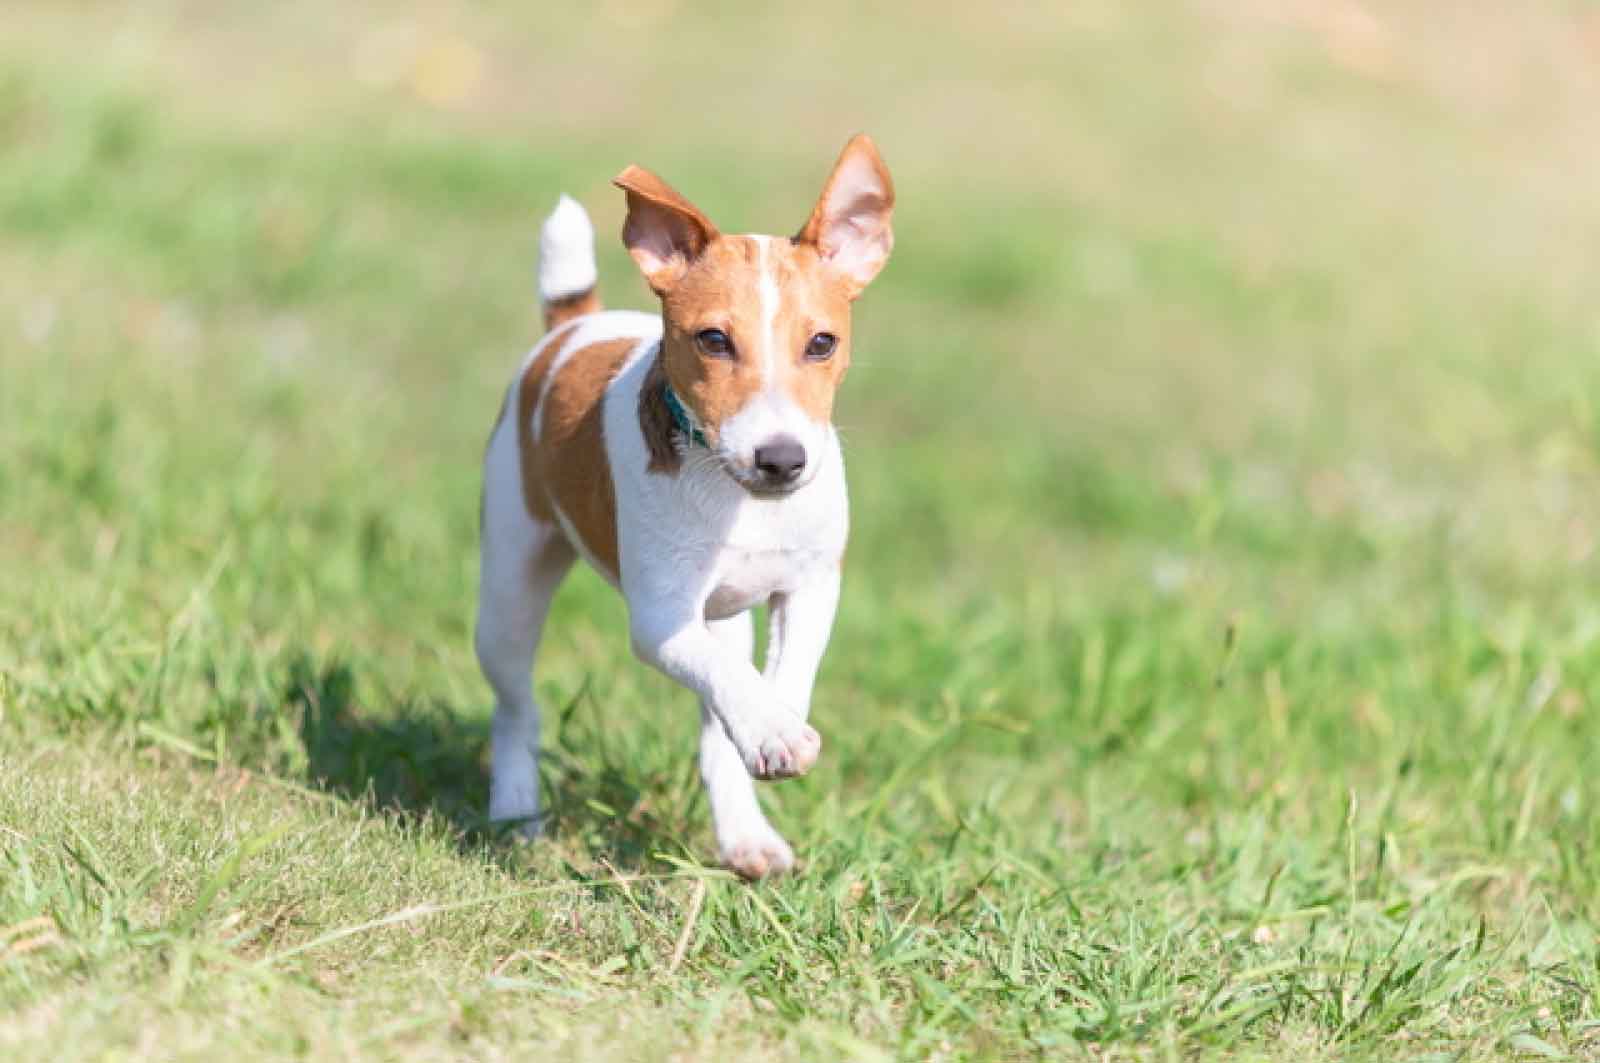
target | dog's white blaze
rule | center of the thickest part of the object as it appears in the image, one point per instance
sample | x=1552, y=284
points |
x=771, y=411
x=770, y=298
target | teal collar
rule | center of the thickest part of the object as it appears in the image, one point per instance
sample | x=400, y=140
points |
x=681, y=416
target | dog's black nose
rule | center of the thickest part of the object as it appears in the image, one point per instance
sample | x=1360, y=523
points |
x=780, y=460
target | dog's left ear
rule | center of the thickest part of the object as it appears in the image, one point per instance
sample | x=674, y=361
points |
x=849, y=226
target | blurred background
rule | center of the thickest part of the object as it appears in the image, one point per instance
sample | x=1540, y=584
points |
x=1288, y=283
x=1225, y=428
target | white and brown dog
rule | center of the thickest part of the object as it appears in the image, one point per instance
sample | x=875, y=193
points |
x=690, y=458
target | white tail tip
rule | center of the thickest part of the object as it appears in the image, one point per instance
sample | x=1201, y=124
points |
x=566, y=252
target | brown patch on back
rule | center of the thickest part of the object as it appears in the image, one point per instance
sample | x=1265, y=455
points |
x=570, y=458
x=558, y=312
x=528, y=392
x=655, y=421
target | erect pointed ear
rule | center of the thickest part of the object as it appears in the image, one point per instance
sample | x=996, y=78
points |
x=664, y=232
x=849, y=226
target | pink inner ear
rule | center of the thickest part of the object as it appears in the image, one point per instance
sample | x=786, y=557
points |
x=855, y=201
x=864, y=221
x=850, y=225
x=855, y=238
x=655, y=237
x=662, y=240
x=664, y=232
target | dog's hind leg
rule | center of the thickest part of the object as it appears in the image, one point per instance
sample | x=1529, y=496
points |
x=746, y=842
x=524, y=561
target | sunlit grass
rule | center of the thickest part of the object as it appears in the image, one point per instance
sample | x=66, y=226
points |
x=1216, y=674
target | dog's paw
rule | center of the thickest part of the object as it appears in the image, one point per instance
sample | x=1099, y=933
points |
x=514, y=807
x=783, y=746
x=759, y=855
x=521, y=832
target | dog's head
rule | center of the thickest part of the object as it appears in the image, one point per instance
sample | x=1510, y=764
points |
x=756, y=331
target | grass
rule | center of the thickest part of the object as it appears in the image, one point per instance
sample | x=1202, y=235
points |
x=1218, y=668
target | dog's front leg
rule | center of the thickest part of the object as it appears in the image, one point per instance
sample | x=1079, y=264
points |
x=772, y=737
x=799, y=624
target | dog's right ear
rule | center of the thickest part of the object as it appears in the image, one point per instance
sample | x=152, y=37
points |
x=664, y=232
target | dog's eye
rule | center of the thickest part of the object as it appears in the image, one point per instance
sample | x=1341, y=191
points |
x=714, y=342
x=820, y=349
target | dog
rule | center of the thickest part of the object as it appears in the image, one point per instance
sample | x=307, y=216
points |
x=691, y=460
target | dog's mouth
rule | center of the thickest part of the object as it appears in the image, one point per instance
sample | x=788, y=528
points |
x=762, y=487
x=769, y=492
x=766, y=490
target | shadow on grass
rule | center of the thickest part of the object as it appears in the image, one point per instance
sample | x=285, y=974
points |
x=419, y=759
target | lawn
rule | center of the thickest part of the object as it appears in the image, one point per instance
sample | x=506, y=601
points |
x=1218, y=670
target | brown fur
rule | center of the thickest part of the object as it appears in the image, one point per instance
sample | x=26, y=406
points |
x=710, y=281
x=528, y=392
x=558, y=312
x=655, y=421
x=570, y=459
x=722, y=289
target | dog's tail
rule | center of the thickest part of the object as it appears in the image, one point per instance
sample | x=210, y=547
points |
x=567, y=276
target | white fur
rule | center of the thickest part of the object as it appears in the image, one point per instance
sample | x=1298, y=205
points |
x=697, y=552
x=771, y=298
x=769, y=415
x=566, y=252
x=696, y=547
x=523, y=563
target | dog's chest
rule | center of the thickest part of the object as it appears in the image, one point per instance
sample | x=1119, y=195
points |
x=774, y=548
x=749, y=577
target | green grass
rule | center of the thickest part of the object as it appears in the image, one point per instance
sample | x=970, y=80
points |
x=1219, y=662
